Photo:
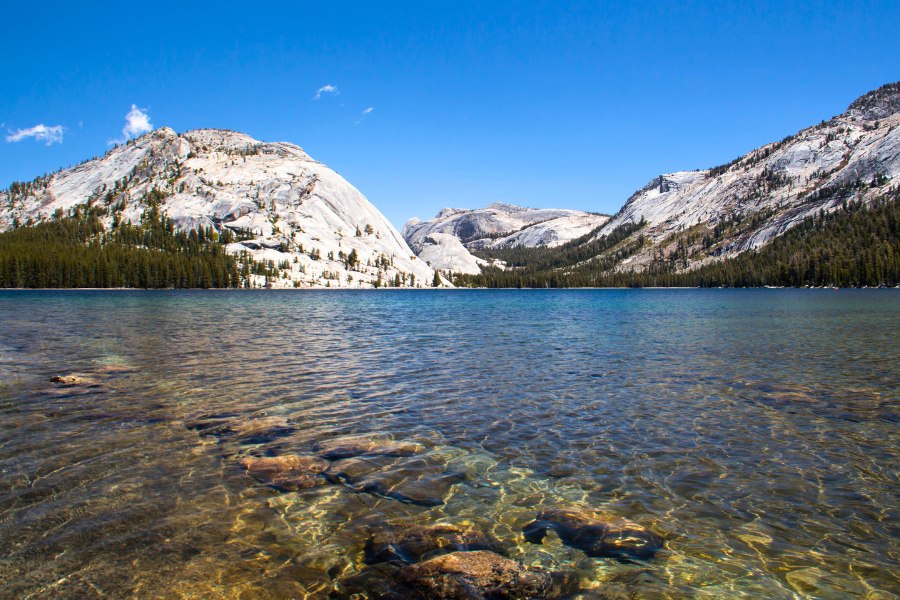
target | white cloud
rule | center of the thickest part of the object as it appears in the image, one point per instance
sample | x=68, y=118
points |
x=137, y=121
x=326, y=89
x=48, y=134
x=364, y=114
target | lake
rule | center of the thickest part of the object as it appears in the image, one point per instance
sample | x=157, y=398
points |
x=755, y=432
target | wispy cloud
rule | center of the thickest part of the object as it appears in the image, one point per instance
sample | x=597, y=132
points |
x=364, y=114
x=137, y=121
x=326, y=90
x=48, y=134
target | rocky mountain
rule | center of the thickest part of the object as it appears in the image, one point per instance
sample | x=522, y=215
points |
x=684, y=220
x=278, y=204
x=446, y=241
x=273, y=205
x=701, y=216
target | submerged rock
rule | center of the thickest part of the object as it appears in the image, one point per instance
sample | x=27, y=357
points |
x=374, y=581
x=418, y=542
x=477, y=575
x=559, y=471
x=74, y=380
x=260, y=430
x=420, y=480
x=640, y=582
x=263, y=430
x=350, y=470
x=290, y=472
x=595, y=534
x=353, y=446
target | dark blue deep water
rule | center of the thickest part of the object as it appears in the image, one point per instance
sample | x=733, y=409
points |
x=755, y=431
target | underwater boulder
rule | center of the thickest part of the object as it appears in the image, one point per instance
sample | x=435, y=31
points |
x=259, y=430
x=595, y=534
x=478, y=575
x=418, y=480
x=290, y=472
x=353, y=446
x=417, y=542
x=74, y=380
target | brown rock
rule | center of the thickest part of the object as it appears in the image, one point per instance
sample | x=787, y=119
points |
x=352, y=446
x=349, y=470
x=418, y=542
x=562, y=471
x=258, y=430
x=289, y=472
x=478, y=575
x=596, y=534
x=420, y=480
x=73, y=380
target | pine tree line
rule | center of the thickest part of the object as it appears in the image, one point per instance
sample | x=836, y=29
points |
x=856, y=245
x=541, y=258
x=76, y=251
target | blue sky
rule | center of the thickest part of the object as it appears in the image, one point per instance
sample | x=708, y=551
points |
x=535, y=103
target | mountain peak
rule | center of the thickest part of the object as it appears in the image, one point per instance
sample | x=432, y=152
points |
x=878, y=104
x=505, y=207
x=273, y=202
x=220, y=137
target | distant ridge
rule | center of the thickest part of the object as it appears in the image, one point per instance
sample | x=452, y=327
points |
x=682, y=221
x=446, y=241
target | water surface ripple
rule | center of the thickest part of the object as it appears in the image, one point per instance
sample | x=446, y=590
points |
x=754, y=431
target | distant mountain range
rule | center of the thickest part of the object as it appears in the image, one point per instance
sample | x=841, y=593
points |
x=445, y=241
x=286, y=220
x=684, y=220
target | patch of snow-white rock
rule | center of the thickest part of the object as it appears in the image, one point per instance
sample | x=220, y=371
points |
x=297, y=211
x=779, y=181
x=446, y=240
x=444, y=251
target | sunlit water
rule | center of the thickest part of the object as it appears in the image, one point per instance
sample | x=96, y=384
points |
x=755, y=431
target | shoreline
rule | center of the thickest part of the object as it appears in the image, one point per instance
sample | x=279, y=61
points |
x=409, y=289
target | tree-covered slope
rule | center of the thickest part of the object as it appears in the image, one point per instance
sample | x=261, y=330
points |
x=679, y=224
x=284, y=207
x=856, y=244
x=78, y=251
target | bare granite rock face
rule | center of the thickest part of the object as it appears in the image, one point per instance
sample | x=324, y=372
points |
x=745, y=204
x=444, y=242
x=702, y=215
x=877, y=104
x=281, y=204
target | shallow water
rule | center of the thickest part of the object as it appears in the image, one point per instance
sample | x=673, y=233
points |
x=755, y=431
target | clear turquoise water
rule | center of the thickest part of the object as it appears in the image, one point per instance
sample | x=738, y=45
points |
x=755, y=430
